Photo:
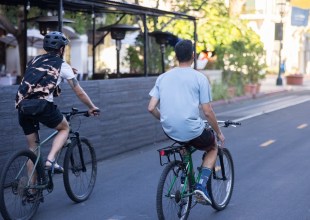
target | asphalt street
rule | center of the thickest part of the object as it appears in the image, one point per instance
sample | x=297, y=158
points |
x=270, y=152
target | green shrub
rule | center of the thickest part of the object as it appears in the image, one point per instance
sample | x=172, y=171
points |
x=219, y=91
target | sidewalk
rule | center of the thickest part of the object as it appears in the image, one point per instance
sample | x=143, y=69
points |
x=269, y=87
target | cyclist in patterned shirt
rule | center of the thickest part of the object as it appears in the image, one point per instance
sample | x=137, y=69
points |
x=179, y=93
x=41, y=79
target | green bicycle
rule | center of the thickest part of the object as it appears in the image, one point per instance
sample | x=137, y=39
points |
x=22, y=190
x=177, y=183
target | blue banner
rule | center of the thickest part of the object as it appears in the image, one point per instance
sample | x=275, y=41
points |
x=299, y=16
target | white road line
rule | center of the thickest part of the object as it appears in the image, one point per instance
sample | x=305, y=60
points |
x=116, y=217
x=302, y=126
x=267, y=143
x=273, y=109
x=287, y=98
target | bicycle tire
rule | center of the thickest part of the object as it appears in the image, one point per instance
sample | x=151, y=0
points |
x=14, y=196
x=221, y=190
x=175, y=208
x=79, y=184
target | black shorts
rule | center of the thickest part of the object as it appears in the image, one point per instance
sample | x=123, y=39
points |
x=205, y=141
x=51, y=117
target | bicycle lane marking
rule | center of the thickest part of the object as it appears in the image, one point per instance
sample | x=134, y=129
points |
x=302, y=126
x=116, y=217
x=273, y=109
x=267, y=143
x=263, y=104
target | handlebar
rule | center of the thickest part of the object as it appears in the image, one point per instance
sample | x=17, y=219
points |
x=75, y=111
x=225, y=124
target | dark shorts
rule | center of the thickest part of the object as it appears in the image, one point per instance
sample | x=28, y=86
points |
x=205, y=141
x=51, y=117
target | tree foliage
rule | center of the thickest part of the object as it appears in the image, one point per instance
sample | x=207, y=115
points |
x=238, y=49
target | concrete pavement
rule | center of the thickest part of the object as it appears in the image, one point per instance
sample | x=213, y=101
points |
x=269, y=87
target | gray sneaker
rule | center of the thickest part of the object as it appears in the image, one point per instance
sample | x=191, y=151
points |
x=202, y=195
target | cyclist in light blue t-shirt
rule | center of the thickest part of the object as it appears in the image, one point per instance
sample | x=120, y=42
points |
x=179, y=93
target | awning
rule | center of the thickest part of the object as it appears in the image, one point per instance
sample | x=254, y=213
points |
x=34, y=39
x=304, y=4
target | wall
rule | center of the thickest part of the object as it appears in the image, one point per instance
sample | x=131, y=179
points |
x=124, y=123
x=214, y=76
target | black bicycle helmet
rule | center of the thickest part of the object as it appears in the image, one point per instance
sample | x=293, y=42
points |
x=54, y=41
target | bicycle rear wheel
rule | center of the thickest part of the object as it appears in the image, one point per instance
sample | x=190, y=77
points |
x=15, y=199
x=169, y=201
x=80, y=170
x=221, y=188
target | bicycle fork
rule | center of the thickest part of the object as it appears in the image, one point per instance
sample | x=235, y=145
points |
x=220, y=154
x=79, y=145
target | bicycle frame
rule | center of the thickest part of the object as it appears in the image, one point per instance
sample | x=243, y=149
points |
x=189, y=169
x=41, y=143
x=38, y=153
x=177, y=184
x=25, y=178
x=185, y=153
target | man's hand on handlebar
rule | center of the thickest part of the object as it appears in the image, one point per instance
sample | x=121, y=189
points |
x=221, y=138
x=94, y=111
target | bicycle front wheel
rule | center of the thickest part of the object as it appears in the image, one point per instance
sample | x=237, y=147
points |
x=171, y=202
x=19, y=199
x=221, y=186
x=80, y=170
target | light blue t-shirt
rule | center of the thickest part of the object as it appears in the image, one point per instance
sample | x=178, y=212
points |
x=180, y=92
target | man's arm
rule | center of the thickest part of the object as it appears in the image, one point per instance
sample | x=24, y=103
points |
x=210, y=115
x=153, y=107
x=81, y=94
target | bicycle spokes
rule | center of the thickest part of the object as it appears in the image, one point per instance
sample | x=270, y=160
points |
x=221, y=184
x=173, y=197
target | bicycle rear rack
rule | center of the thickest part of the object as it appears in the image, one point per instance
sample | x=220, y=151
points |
x=172, y=151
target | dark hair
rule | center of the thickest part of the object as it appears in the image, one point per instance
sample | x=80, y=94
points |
x=54, y=40
x=184, y=50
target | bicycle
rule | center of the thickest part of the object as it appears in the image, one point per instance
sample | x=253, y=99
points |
x=17, y=182
x=177, y=182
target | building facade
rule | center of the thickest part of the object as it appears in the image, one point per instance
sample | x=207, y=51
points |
x=262, y=16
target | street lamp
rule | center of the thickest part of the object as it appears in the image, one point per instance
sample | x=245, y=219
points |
x=49, y=23
x=279, y=36
x=163, y=38
x=118, y=33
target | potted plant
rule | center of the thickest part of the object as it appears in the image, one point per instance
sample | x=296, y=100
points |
x=294, y=79
x=254, y=68
x=243, y=65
